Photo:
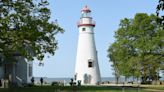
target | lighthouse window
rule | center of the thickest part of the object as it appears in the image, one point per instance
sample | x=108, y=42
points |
x=83, y=29
x=90, y=64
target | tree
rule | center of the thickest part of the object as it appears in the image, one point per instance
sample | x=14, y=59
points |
x=160, y=8
x=25, y=30
x=138, y=49
x=113, y=57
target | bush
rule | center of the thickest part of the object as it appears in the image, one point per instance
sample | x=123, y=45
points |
x=55, y=83
x=147, y=82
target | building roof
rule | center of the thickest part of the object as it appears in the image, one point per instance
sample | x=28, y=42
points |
x=86, y=9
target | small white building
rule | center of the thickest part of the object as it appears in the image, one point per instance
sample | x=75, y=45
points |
x=87, y=68
x=18, y=73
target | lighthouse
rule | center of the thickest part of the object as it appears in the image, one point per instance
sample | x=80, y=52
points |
x=86, y=69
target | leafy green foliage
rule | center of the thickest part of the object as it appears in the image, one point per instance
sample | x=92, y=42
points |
x=25, y=29
x=160, y=8
x=139, y=48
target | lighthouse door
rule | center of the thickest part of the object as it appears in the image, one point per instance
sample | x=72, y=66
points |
x=87, y=78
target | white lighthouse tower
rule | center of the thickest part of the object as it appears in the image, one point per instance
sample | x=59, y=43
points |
x=87, y=68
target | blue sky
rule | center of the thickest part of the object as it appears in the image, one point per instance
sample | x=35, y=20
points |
x=106, y=13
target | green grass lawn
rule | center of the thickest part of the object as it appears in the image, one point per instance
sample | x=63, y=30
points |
x=80, y=89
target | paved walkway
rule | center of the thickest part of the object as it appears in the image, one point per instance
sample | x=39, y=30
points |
x=154, y=90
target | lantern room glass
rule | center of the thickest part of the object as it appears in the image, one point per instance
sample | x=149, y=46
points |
x=85, y=14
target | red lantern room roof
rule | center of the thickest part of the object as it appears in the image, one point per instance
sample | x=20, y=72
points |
x=86, y=9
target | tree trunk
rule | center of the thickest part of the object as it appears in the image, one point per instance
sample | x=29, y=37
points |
x=137, y=80
x=126, y=79
x=117, y=79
